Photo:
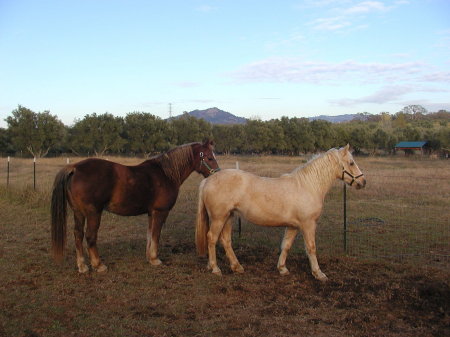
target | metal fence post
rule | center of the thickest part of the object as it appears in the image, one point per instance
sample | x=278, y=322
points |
x=345, y=218
x=7, y=173
x=239, y=218
x=34, y=173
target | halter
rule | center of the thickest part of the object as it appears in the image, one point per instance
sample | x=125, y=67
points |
x=210, y=169
x=344, y=172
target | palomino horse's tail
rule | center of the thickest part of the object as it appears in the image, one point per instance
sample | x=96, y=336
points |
x=59, y=212
x=202, y=227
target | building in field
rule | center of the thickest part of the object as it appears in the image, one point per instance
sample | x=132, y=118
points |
x=411, y=148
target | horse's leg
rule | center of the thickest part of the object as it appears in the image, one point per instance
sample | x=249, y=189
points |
x=79, y=235
x=309, y=235
x=288, y=239
x=225, y=239
x=93, y=223
x=213, y=235
x=156, y=221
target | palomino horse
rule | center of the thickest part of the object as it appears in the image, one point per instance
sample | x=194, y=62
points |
x=293, y=201
x=94, y=185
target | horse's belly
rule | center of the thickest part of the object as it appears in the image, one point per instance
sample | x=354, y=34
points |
x=268, y=217
x=126, y=209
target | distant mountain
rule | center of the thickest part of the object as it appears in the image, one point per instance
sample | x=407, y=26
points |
x=215, y=116
x=339, y=118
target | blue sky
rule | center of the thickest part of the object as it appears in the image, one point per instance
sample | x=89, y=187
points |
x=263, y=59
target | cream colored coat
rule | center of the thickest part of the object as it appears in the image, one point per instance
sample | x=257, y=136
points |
x=294, y=201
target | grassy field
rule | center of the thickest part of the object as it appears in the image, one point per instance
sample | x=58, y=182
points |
x=402, y=215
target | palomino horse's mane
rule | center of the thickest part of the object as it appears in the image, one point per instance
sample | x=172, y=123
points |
x=319, y=170
x=176, y=161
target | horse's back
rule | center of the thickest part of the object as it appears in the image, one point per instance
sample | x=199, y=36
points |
x=121, y=189
x=227, y=181
x=98, y=184
x=261, y=200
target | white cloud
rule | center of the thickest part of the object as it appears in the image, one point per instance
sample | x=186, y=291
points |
x=334, y=23
x=386, y=94
x=205, y=9
x=323, y=3
x=295, y=70
x=292, y=39
x=366, y=7
x=440, y=76
x=186, y=84
x=344, y=14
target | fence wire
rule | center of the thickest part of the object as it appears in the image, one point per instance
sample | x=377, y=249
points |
x=403, y=218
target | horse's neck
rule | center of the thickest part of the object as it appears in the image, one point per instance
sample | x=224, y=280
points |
x=176, y=172
x=318, y=177
x=186, y=172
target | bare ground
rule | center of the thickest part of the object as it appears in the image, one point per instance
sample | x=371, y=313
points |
x=39, y=298
x=182, y=299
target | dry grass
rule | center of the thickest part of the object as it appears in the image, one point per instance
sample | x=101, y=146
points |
x=363, y=298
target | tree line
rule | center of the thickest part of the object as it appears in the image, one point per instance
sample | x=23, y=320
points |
x=140, y=133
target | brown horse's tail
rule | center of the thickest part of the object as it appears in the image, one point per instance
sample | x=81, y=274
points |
x=202, y=227
x=59, y=212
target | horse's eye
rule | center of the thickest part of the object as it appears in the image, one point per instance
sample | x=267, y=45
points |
x=352, y=163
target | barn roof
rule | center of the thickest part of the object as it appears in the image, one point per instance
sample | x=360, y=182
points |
x=411, y=144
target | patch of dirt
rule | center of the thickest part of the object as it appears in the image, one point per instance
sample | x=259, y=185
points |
x=182, y=298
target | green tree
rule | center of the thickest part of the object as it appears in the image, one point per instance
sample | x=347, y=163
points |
x=360, y=137
x=380, y=140
x=97, y=133
x=414, y=111
x=324, y=135
x=145, y=133
x=257, y=136
x=5, y=142
x=411, y=133
x=188, y=129
x=276, y=142
x=342, y=133
x=298, y=133
x=34, y=132
x=228, y=138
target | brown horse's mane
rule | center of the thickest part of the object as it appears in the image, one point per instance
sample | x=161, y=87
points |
x=175, y=162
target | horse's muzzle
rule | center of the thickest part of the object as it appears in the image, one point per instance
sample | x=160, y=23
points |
x=360, y=183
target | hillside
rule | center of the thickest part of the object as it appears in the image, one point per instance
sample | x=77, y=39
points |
x=339, y=118
x=216, y=116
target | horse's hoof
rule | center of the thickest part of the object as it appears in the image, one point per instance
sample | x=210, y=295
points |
x=83, y=269
x=101, y=268
x=217, y=272
x=238, y=269
x=156, y=262
x=321, y=277
x=283, y=271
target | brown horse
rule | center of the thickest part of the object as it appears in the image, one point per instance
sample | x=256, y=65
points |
x=94, y=185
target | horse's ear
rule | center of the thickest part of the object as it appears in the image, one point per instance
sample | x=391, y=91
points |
x=208, y=143
x=345, y=149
